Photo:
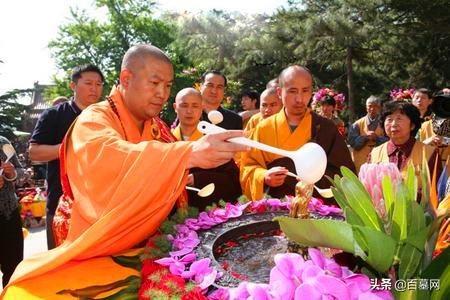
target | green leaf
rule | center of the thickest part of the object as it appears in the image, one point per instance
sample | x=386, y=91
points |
x=425, y=178
x=417, y=218
x=388, y=196
x=340, y=198
x=380, y=247
x=318, y=233
x=437, y=266
x=133, y=262
x=352, y=218
x=410, y=259
x=444, y=285
x=400, y=216
x=411, y=182
x=360, y=202
x=94, y=290
x=418, y=239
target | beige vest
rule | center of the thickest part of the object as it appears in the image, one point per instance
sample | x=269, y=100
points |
x=380, y=154
x=360, y=156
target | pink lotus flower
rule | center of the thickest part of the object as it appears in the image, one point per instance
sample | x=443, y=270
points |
x=371, y=175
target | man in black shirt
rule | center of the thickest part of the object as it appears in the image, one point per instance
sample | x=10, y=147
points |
x=212, y=90
x=87, y=85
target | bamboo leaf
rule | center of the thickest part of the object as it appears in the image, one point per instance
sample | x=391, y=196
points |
x=360, y=202
x=417, y=218
x=340, y=198
x=352, y=218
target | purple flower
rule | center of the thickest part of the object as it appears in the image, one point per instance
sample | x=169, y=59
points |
x=240, y=292
x=201, y=273
x=220, y=294
x=258, y=291
x=176, y=265
x=316, y=205
x=320, y=287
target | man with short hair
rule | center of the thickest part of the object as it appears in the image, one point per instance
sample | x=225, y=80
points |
x=422, y=99
x=250, y=104
x=125, y=174
x=366, y=133
x=87, y=85
x=289, y=129
x=188, y=106
x=212, y=89
x=270, y=105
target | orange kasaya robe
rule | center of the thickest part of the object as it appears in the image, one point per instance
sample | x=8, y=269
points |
x=254, y=120
x=273, y=131
x=124, y=184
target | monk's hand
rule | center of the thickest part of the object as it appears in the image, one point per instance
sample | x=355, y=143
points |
x=434, y=141
x=213, y=150
x=8, y=170
x=275, y=176
x=190, y=180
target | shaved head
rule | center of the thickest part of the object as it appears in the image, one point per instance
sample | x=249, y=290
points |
x=293, y=70
x=136, y=57
x=187, y=92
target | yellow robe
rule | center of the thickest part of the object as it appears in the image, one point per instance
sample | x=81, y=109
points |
x=254, y=120
x=275, y=132
x=425, y=132
x=124, y=185
x=195, y=136
x=360, y=156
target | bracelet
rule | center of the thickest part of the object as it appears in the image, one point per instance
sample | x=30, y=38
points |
x=11, y=179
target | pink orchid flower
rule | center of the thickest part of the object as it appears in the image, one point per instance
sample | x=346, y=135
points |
x=176, y=265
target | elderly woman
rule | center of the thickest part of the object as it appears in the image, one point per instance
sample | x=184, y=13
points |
x=401, y=121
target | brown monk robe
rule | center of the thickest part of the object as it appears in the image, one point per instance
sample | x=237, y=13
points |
x=188, y=106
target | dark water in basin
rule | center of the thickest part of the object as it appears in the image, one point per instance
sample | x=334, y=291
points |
x=251, y=258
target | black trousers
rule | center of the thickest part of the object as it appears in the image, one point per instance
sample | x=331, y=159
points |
x=11, y=244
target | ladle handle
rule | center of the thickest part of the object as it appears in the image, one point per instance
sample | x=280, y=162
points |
x=192, y=188
x=206, y=128
x=7, y=160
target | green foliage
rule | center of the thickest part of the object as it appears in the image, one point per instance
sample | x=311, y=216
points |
x=11, y=111
x=403, y=242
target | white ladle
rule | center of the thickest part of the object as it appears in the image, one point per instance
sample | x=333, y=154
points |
x=205, y=191
x=326, y=193
x=310, y=160
x=9, y=151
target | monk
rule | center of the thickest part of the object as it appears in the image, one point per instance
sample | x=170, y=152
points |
x=270, y=105
x=124, y=178
x=188, y=106
x=289, y=129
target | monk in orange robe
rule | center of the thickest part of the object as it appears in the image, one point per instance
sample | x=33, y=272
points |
x=124, y=180
x=270, y=104
x=289, y=129
x=188, y=106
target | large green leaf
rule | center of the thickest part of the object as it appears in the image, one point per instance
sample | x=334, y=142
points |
x=410, y=259
x=360, y=202
x=444, y=285
x=340, y=198
x=417, y=222
x=388, y=196
x=411, y=182
x=352, y=218
x=380, y=248
x=400, y=216
x=437, y=266
x=319, y=233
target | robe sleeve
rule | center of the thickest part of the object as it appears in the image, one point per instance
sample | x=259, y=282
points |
x=253, y=169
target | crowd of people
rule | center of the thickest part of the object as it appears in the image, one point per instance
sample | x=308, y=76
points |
x=116, y=170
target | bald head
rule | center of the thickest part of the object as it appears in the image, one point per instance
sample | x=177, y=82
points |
x=136, y=57
x=188, y=92
x=270, y=102
x=188, y=106
x=293, y=71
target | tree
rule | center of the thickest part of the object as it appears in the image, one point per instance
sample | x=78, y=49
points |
x=11, y=111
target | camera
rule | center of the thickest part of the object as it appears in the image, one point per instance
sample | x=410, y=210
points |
x=441, y=116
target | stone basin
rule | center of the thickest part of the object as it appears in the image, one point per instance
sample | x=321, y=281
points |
x=243, y=248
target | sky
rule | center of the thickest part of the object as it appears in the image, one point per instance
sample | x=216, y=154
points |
x=26, y=27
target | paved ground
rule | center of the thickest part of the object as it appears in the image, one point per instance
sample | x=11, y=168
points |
x=35, y=242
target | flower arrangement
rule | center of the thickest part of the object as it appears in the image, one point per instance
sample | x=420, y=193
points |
x=402, y=94
x=392, y=233
x=321, y=95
